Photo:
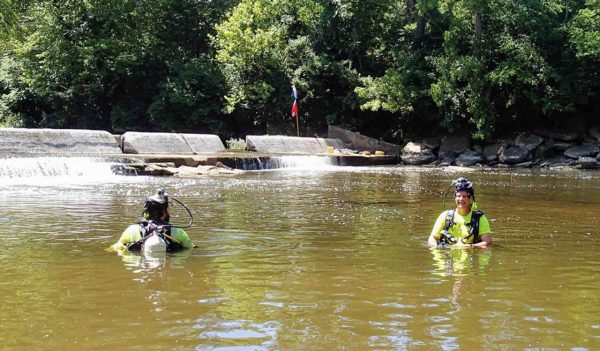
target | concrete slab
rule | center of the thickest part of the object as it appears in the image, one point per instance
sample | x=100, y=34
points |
x=204, y=143
x=155, y=143
x=23, y=141
x=290, y=145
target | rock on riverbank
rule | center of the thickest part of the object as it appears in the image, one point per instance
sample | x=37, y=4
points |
x=540, y=148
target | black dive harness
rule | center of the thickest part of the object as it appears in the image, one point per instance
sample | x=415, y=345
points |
x=447, y=238
x=161, y=229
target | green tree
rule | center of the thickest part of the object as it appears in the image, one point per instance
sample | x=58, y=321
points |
x=110, y=65
x=584, y=30
x=584, y=37
x=402, y=38
x=255, y=48
x=8, y=22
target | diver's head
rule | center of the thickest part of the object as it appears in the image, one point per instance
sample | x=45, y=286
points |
x=463, y=184
x=156, y=206
x=464, y=195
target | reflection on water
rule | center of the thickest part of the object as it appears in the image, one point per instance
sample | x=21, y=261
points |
x=293, y=260
x=460, y=261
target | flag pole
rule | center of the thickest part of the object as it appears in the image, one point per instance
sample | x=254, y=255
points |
x=297, y=126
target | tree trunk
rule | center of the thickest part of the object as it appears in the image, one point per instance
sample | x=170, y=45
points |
x=477, y=38
x=419, y=21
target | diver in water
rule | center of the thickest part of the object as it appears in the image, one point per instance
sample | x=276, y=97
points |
x=154, y=233
x=465, y=225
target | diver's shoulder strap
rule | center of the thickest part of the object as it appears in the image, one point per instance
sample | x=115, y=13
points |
x=449, y=219
x=475, y=217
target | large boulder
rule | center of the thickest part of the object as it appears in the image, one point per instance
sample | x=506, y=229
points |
x=595, y=132
x=414, y=147
x=468, y=158
x=588, y=163
x=513, y=155
x=447, y=158
x=585, y=150
x=415, y=153
x=528, y=141
x=491, y=152
x=432, y=143
x=421, y=158
x=454, y=143
x=558, y=161
x=559, y=144
x=361, y=142
x=557, y=134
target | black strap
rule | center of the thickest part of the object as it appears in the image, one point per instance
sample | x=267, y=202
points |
x=475, y=217
x=474, y=225
x=148, y=227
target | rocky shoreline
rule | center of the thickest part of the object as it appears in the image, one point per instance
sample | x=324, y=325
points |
x=539, y=148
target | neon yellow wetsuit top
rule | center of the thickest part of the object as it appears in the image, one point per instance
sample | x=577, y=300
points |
x=133, y=234
x=460, y=229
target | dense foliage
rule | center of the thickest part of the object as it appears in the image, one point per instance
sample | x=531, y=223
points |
x=386, y=68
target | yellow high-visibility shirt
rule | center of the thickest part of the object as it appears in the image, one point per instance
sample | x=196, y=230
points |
x=460, y=229
x=133, y=234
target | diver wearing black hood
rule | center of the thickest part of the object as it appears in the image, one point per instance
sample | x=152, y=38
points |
x=465, y=225
x=154, y=233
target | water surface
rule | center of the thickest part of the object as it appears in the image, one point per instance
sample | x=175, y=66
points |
x=297, y=259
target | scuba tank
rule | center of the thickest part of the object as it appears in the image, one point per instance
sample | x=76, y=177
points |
x=154, y=243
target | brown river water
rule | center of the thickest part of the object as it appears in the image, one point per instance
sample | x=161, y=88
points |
x=315, y=258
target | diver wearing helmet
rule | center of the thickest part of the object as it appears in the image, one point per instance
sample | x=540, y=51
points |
x=465, y=225
x=154, y=233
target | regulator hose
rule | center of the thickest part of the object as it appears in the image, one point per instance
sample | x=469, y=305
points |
x=189, y=213
x=162, y=195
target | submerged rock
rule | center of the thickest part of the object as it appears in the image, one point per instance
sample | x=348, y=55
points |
x=169, y=169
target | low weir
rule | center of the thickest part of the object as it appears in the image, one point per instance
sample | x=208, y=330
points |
x=68, y=152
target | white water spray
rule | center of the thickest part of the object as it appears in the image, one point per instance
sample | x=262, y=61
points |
x=49, y=169
x=303, y=162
